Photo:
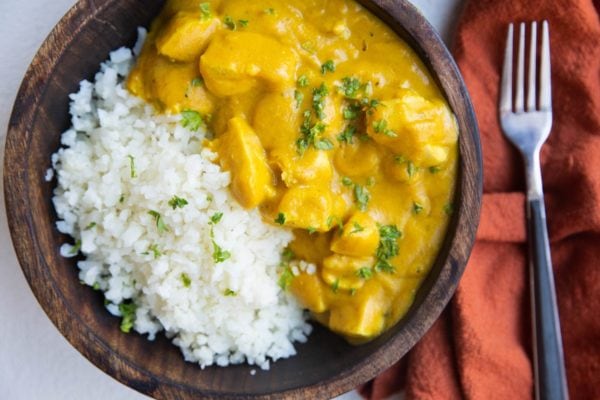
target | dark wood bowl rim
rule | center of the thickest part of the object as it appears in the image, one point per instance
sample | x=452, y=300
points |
x=465, y=220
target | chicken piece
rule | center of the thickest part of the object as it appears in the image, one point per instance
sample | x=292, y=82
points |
x=307, y=207
x=364, y=317
x=275, y=122
x=414, y=127
x=311, y=247
x=357, y=159
x=185, y=36
x=308, y=289
x=313, y=167
x=241, y=153
x=346, y=272
x=359, y=238
x=236, y=62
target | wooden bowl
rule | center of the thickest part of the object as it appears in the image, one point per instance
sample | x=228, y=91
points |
x=325, y=366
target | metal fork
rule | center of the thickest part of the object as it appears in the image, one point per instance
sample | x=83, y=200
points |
x=527, y=126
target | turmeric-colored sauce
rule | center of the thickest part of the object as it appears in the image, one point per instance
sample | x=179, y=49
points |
x=332, y=126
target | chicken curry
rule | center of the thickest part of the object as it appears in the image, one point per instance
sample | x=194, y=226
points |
x=331, y=126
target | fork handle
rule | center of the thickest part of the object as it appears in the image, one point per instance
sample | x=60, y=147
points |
x=549, y=368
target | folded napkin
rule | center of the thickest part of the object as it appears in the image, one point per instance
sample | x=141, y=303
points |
x=481, y=346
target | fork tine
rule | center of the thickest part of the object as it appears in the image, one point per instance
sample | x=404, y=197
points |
x=506, y=86
x=531, y=103
x=520, y=87
x=545, y=83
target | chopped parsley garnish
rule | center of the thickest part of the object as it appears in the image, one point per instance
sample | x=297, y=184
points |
x=323, y=144
x=449, y=209
x=269, y=11
x=434, y=169
x=229, y=292
x=286, y=277
x=287, y=255
x=400, y=159
x=335, y=286
x=219, y=255
x=417, y=208
x=229, y=23
x=133, y=174
x=280, y=219
x=411, y=169
x=122, y=198
x=362, y=197
x=319, y=95
x=197, y=82
x=302, y=81
x=381, y=127
x=347, y=135
x=365, y=273
x=191, y=119
x=310, y=134
x=298, y=96
x=357, y=228
x=243, y=22
x=90, y=226
x=185, y=279
x=388, y=247
x=215, y=218
x=333, y=218
x=205, y=11
x=75, y=249
x=347, y=181
x=96, y=286
x=178, y=202
x=127, y=311
x=350, y=87
x=155, y=250
x=351, y=112
x=311, y=230
x=160, y=223
x=352, y=291
x=328, y=66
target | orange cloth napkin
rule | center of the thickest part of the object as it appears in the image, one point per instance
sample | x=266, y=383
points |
x=481, y=346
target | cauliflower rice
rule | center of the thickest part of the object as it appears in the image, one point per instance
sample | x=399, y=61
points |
x=205, y=272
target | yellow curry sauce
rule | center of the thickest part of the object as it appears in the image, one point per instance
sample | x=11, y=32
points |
x=332, y=126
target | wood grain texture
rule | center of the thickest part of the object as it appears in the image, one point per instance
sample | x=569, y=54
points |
x=325, y=366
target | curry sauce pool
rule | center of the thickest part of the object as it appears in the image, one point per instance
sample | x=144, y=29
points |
x=331, y=126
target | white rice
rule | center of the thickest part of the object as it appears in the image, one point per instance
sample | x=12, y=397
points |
x=106, y=210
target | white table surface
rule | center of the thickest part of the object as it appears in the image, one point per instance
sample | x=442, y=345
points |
x=36, y=362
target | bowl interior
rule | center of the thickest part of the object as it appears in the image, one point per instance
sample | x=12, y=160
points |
x=326, y=365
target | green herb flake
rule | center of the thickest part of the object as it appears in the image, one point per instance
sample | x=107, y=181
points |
x=347, y=181
x=434, y=169
x=323, y=144
x=196, y=82
x=127, y=310
x=357, y=228
x=178, y=202
x=352, y=291
x=308, y=46
x=191, y=119
x=75, y=249
x=365, y=273
x=91, y=225
x=215, y=218
x=362, y=197
x=399, y=159
x=388, y=247
x=205, y=11
x=335, y=286
x=350, y=87
x=286, y=278
x=328, y=66
x=229, y=23
x=351, y=112
x=160, y=223
x=96, y=286
x=132, y=173
x=417, y=208
x=287, y=255
x=311, y=230
x=298, y=96
x=243, y=22
x=280, y=219
x=269, y=11
x=229, y=293
x=347, y=135
x=219, y=255
x=411, y=169
x=155, y=251
x=185, y=279
x=302, y=81
x=319, y=96
x=379, y=126
x=122, y=198
x=449, y=209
